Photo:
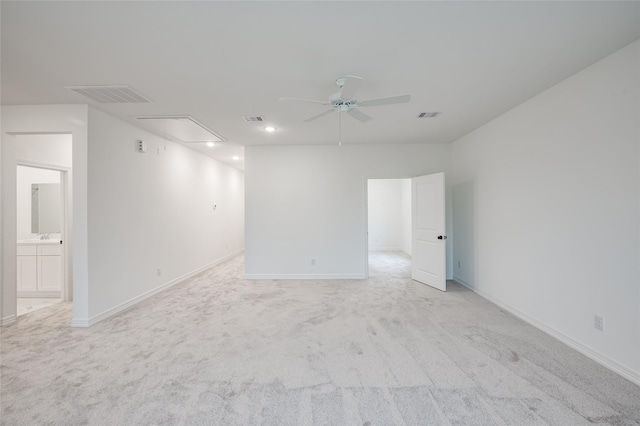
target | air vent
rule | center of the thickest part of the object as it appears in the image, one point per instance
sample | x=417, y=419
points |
x=110, y=94
x=253, y=118
x=428, y=114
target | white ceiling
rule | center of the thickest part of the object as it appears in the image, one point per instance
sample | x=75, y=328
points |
x=218, y=61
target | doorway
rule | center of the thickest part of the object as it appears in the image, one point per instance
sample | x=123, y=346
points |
x=43, y=221
x=41, y=279
x=407, y=217
x=389, y=227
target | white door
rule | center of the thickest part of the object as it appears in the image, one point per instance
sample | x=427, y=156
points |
x=428, y=231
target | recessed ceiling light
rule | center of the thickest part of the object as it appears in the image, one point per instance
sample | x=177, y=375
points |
x=270, y=129
x=211, y=144
x=235, y=158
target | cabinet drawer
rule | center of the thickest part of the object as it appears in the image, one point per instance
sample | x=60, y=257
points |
x=26, y=250
x=54, y=250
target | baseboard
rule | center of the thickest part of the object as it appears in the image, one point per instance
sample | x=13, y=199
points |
x=8, y=320
x=465, y=284
x=304, y=277
x=605, y=361
x=88, y=322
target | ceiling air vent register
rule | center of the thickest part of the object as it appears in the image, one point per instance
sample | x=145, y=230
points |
x=428, y=114
x=110, y=94
x=253, y=118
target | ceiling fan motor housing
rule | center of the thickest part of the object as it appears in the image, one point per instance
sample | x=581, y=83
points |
x=342, y=104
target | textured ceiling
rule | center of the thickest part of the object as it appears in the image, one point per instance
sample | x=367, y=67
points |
x=218, y=61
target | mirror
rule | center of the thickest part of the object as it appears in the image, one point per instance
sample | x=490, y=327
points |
x=46, y=206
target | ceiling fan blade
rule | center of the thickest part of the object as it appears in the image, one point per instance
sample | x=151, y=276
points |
x=359, y=115
x=312, y=101
x=350, y=87
x=385, y=101
x=318, y=116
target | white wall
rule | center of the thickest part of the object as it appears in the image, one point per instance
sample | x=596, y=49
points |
x=406, y=245
x=305, y=202
x=546, y=201
x=51, y=149
x=26, y=176
x=385, y=214
x=463, y=232
x=153, y=210
x=389, y=214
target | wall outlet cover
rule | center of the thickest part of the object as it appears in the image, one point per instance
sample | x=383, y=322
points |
x=598, y=322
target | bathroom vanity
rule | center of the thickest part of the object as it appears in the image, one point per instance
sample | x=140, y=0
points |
x=39, y=270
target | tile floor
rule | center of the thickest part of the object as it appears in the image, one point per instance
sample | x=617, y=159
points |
x=30, y=304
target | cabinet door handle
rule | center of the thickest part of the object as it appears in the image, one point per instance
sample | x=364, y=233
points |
x=442, y=237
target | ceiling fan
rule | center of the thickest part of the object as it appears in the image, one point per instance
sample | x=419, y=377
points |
x=345, y=101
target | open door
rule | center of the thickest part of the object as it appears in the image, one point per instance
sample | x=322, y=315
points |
x=428, y=231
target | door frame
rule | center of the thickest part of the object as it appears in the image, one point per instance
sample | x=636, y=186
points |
x=365, y=215
x=365, y=208
x=66, y=293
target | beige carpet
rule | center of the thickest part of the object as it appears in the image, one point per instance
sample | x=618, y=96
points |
x=219, y=350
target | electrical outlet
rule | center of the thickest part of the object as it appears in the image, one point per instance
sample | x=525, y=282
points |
x=313, y=261
x=159, y=271
x=598, y=322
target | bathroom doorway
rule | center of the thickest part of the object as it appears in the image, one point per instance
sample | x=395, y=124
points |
x=40, y=256
x=43, y=210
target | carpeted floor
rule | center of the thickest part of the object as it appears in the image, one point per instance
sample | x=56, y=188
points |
x=219, y=350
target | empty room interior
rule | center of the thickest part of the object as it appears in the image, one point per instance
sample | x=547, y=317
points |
x=327, y=213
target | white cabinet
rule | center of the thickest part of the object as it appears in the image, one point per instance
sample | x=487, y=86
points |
x=27, y=273
x=49, y=273
x=39, y=270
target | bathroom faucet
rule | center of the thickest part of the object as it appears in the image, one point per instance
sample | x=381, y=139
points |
x=44, y=236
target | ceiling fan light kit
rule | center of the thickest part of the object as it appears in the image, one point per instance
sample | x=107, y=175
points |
x=345, y=101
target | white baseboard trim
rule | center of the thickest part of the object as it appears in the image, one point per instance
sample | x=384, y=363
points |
x=304, y=277
x=88, y=322
x=465, y=284
x=605, y=361
x=8, y=320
